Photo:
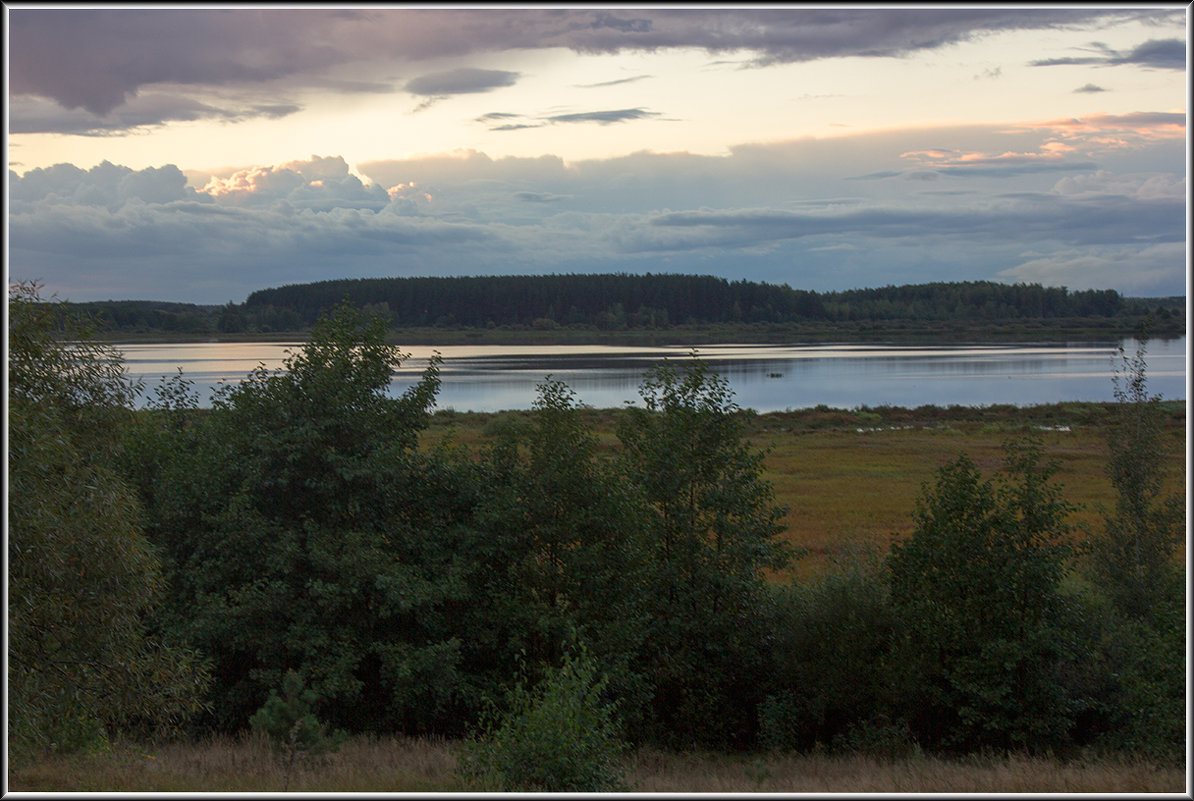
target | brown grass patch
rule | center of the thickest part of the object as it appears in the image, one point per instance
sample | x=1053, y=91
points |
x=399, y=764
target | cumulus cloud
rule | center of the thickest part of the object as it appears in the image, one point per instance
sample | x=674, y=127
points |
x=320, y=184
x=106, y=185
x=782, y=212
x=97, y=59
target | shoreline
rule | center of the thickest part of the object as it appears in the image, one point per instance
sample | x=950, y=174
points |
x=681, y=336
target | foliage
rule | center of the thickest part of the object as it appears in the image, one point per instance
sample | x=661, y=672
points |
x=1131, y=687
x=620, y=302
x=559, y=737
x=712, y=522
x=81, y=574
x=833, y=661
x=1135, y=683
x=977, y=585
x=310, y=475
x=1134, y=557
x=562, y=543
x=291, y=727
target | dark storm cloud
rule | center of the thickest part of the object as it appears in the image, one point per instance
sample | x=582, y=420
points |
x=461, y=81
x=97, y=58
x=1167, y=54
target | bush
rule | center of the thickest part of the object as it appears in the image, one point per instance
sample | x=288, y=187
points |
x=978, y=585
x=559, y=737
x=292, y=729
x=832, y=646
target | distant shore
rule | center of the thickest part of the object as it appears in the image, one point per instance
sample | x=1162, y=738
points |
x=893, y=332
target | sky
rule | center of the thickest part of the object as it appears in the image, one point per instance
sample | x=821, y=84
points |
x=198, y=153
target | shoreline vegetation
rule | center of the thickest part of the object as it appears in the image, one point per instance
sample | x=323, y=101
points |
x=847, y=476
x=1094, y=330
x=678, y=597
x=651, y=310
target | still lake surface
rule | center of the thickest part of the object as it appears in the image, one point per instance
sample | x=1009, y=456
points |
x=765, y=378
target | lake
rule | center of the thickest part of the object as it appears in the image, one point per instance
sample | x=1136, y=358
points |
x=764, y=377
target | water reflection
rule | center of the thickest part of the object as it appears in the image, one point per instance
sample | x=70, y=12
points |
x=764, y=377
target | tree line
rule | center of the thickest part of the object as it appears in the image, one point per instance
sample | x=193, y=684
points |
x=623, y=301
x=172, y=569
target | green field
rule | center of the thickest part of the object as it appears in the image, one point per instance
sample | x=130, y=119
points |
x=849, y=479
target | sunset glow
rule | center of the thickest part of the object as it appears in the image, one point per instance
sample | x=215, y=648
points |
x=198, y=154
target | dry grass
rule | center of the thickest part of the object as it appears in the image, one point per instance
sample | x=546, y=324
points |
x=657, y=772
x=414, y=765
x=391, y=764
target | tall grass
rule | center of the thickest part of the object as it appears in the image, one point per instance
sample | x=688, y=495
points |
x=397, y=764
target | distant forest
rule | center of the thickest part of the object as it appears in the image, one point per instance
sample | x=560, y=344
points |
x=613, y=302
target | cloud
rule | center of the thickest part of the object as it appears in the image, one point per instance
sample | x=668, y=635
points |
x=617, y=82
x=1097, y=134
x=147, y=110
x=518, y=122
x=604, y=117
x=106, y=185
x=1155, y=270
x=1167, y=54
x=320, y=184
x=1149, y=186
x=97, y=59
x=541, y=197
x=781, y=212
x=1089, y=88
x=465, y=80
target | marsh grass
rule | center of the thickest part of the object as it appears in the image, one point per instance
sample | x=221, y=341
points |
x=849, y=478
x=397, y=764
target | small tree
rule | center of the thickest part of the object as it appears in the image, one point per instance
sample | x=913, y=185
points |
x=1134, y=555
x=82, y=576
x=977, y=585
x=291, y=727
x=713, y=526
x=560, y=737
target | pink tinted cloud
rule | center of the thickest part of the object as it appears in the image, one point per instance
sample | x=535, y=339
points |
x=1118, y=130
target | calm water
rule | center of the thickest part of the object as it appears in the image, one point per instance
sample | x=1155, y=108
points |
x=763, y=377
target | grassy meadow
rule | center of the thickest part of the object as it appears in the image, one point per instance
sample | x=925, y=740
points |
x=850, y=478
x=384, y=765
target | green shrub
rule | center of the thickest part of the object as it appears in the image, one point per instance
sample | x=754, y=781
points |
x=290, y=726
x=832, y=647
x=558, y=737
